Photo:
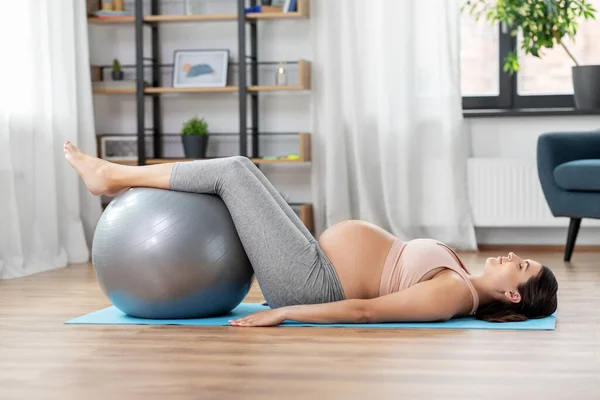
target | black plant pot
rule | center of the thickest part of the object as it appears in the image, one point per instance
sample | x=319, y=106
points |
x=194, y=146
x=117, y=75
x=586, y=87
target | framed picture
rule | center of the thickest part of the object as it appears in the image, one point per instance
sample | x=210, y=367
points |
x=122, y=147
x=200, y=68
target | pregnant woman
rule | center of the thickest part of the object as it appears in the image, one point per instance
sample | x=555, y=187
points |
x=355, y=273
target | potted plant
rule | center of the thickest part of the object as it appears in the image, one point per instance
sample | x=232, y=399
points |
x=117, y=73
x=544, y=24
x=194, y=135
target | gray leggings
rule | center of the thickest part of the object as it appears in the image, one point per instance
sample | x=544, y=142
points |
x=290, y=266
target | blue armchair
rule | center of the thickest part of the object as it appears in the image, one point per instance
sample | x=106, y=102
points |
x=569, y=170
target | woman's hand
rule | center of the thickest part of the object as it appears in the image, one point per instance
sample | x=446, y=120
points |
x=264, y=318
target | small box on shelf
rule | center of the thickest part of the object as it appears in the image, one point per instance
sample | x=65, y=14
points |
x=95, y=73
x=299, y=70
x=92, y=6
x=271, y=9
x=121, y=148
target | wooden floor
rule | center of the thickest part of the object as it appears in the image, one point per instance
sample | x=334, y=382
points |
x=40, y=358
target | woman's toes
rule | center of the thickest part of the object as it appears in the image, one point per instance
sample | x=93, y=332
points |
x=71, y=147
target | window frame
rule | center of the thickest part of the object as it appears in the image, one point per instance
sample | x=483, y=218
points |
x=508, y=97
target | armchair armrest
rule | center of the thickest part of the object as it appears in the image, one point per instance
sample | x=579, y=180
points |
x=557, y=148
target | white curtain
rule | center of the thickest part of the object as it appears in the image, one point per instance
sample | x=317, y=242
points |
x=45, y=99
x=390, y=146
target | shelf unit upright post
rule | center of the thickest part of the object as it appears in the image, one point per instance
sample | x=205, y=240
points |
x=157, y=120
x=253, y=80
x=139, y=71
x=243, y=105
x=156, y=128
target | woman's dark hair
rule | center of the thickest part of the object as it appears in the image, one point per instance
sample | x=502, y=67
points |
x=538, y=300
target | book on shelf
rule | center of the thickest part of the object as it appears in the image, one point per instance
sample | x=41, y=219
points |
x=282, y=6
x=264, y=9
x=290, y=6
x=293, y=6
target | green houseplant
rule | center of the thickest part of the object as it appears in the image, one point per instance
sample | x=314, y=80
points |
x=117, y=72
x=194, y=135
x=544, y=24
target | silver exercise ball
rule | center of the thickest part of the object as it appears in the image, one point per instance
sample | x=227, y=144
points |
x=163, y=254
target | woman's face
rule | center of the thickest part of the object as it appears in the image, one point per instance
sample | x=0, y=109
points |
x=506, y=273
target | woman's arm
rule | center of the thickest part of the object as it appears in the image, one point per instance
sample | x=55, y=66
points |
x=435, y=300
x=438, y=299
x=345, y=311
x=339, y=312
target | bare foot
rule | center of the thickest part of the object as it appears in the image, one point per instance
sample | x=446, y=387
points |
x=96, y=173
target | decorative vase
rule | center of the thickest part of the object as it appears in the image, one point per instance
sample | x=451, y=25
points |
x=194, y=146
x=107, y=5
x=187, y=7
x=281, y=77
x=117, y=75
x=586, y=86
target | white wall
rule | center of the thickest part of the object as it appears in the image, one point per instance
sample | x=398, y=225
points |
x=516, y=137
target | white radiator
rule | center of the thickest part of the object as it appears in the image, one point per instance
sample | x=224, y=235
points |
x=507, y=193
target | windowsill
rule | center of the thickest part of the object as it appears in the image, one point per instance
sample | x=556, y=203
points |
x=527, y=112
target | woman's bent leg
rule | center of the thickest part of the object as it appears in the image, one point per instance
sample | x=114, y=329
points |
x=277, y=196
x=290, y=267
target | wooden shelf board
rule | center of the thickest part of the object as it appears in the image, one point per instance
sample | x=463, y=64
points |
x=284, y=161
x=124, y=162
x=302, y=13
x=226, y=89
x=112, y=20
x=273, y=88
x=196, y=18
x=191, y=18
x=114, y=91
x=289, y=15
x=191, y=90
x=276, y=88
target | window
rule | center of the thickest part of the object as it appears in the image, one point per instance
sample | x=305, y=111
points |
x=540, y=83
x=552, y=74
x=479, y=58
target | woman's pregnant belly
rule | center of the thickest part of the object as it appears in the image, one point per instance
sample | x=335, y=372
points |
x=358, y=251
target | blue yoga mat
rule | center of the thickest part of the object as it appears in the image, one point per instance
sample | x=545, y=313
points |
x=112, y=316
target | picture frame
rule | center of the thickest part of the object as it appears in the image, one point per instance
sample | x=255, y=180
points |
x=122, y=147
x=200, y=68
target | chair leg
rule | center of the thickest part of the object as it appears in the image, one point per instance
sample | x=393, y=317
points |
x=572, y=237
